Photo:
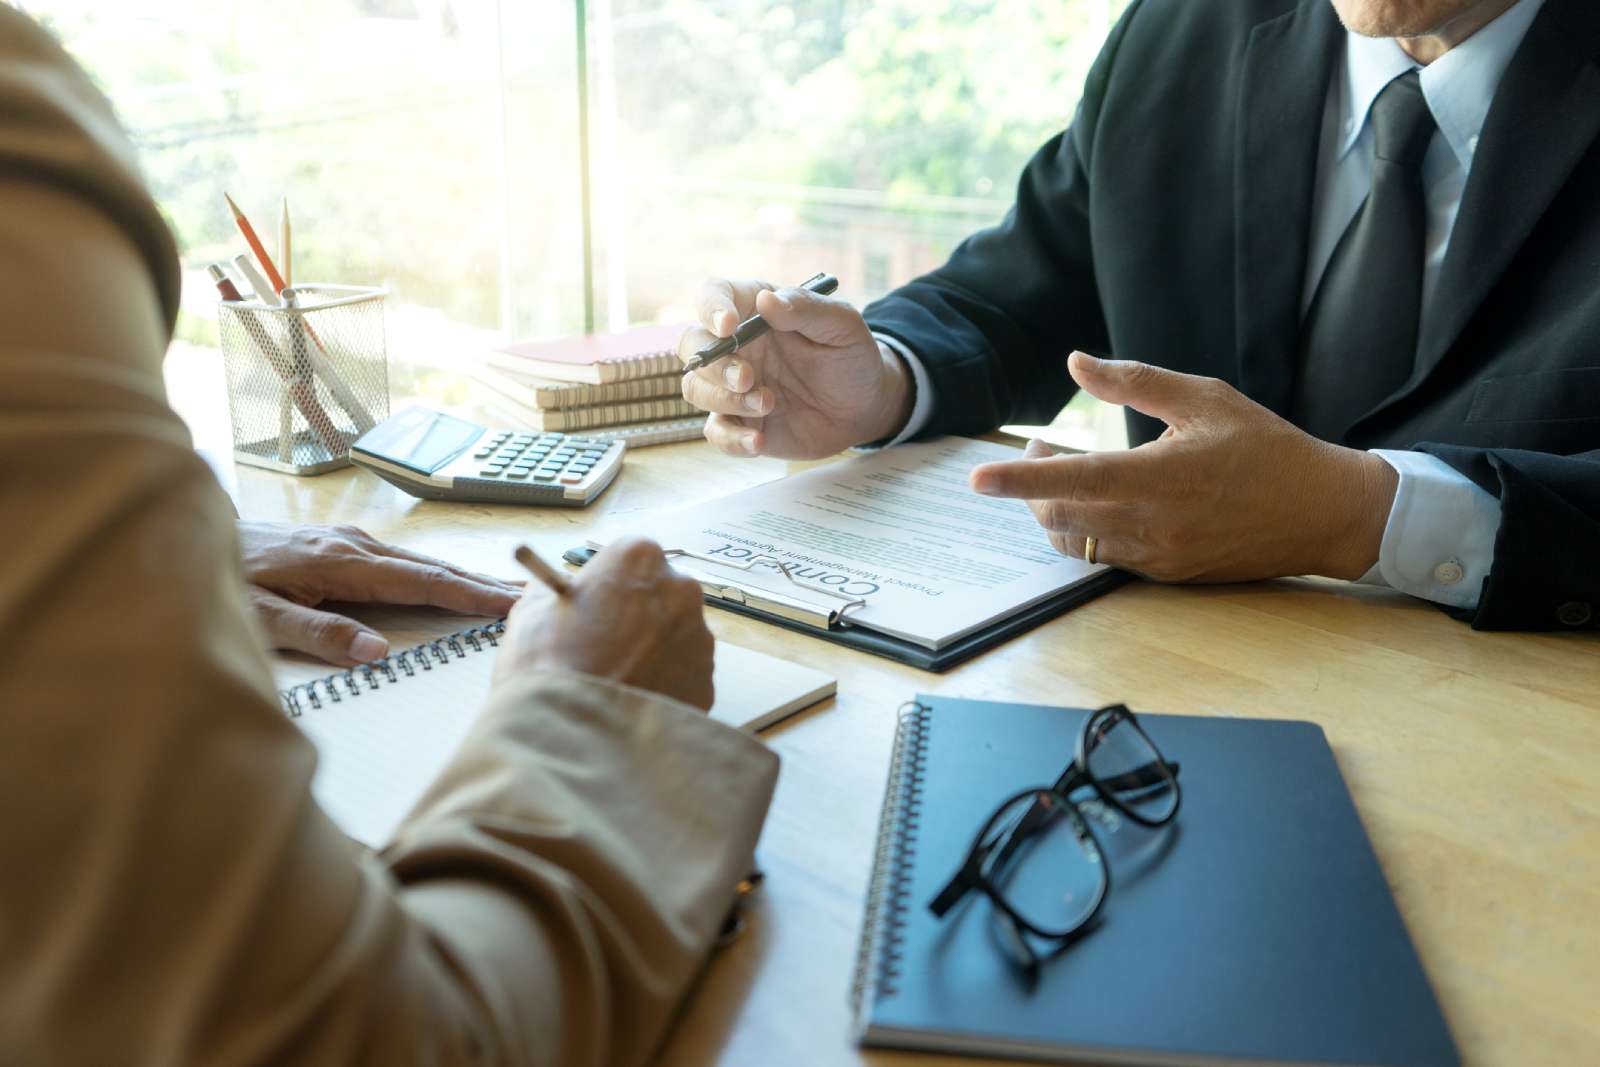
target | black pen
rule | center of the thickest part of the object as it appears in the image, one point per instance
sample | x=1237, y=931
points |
x=753, y=327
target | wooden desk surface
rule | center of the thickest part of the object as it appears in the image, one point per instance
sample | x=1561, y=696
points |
x=1472, y=758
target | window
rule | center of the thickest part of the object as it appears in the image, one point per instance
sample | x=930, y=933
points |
x=862, y=138
x=435, y=146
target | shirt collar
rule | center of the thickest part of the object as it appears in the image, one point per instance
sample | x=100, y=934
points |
x=1459, y=86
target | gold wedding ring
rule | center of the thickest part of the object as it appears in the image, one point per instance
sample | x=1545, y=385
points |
x=1090, y=544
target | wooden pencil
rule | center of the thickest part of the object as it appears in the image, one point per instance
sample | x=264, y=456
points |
x=285, y=250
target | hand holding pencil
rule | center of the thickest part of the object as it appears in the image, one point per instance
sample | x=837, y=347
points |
x=627, y=617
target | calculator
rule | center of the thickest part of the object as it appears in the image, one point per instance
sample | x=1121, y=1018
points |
x=439, y=457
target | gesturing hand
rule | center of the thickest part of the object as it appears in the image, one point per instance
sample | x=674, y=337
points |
x=814, y=385
x=628, y=616
x=292, y=569
x=1230, y=492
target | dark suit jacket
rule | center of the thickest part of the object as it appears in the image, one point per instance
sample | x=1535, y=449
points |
x=1169, y=224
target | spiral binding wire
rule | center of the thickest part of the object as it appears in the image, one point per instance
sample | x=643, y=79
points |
x=882, y=931
x=340, y=686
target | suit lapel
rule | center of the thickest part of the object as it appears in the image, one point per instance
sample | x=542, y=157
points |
x=1545, y=115
x=1283, y=90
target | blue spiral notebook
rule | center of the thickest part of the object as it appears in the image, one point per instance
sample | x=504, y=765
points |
x=1255, y=929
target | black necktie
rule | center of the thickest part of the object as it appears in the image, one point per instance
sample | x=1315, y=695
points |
x=1360, y=336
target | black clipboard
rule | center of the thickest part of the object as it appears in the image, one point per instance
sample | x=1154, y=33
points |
x=903, y=651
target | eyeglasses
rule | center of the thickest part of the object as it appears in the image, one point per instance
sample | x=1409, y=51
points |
x=1037, y=858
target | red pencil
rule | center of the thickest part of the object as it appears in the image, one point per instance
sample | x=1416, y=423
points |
x=267, y=266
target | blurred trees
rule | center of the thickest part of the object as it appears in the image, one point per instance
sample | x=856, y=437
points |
x=385, y=123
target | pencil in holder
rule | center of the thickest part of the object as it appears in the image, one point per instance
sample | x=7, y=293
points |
x=305, y=378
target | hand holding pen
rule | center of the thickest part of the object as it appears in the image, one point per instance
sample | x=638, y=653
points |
x=805, y=380
x=754, y=326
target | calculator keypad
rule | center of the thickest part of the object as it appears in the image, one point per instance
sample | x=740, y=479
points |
x=550, y=458
x=508, y=467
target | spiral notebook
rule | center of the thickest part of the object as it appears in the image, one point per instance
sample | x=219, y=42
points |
x=385, y=730
x=1256, y=928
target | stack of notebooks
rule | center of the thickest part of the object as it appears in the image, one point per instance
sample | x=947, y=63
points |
x=620, y=385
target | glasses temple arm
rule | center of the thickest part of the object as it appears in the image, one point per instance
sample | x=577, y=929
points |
x=1140, y=777
x=958, y=886
x=965, y=878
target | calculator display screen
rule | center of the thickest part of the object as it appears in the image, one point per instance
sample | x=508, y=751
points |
x=420, y=439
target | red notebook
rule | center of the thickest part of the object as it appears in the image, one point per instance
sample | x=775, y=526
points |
x=601, y=357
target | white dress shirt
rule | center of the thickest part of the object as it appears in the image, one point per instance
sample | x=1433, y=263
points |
x=1439, y=540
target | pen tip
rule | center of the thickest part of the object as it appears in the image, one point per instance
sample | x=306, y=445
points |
x=231, y=204
x=523, y=554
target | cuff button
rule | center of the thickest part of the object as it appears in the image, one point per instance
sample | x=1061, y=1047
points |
x=1574, y=613
x=1448, y=573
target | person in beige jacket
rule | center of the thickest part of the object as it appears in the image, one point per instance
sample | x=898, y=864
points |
x=170, y=892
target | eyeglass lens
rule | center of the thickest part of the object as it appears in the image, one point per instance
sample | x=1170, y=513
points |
x=1124, y=762
x=1045, y=864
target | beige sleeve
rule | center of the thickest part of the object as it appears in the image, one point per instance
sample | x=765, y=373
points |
x=169, y=892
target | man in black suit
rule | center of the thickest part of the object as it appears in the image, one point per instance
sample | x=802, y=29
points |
x=1352, y=274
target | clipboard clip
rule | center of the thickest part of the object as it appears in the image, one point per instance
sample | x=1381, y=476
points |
x=795, y=607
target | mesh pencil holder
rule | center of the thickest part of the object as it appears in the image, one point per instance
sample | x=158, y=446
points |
x=304, y=379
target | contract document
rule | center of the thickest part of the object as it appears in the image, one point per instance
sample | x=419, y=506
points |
x=893, y=541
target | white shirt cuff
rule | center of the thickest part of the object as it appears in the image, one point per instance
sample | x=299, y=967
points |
x=1439, y=541
x=922, y=404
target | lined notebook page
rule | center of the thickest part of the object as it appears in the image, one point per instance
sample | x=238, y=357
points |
x=378, y=751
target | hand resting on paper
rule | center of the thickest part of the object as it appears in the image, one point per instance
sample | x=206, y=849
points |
x=627, y=616
x=290, y=570
x=1230, y=492
x=814, y=385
